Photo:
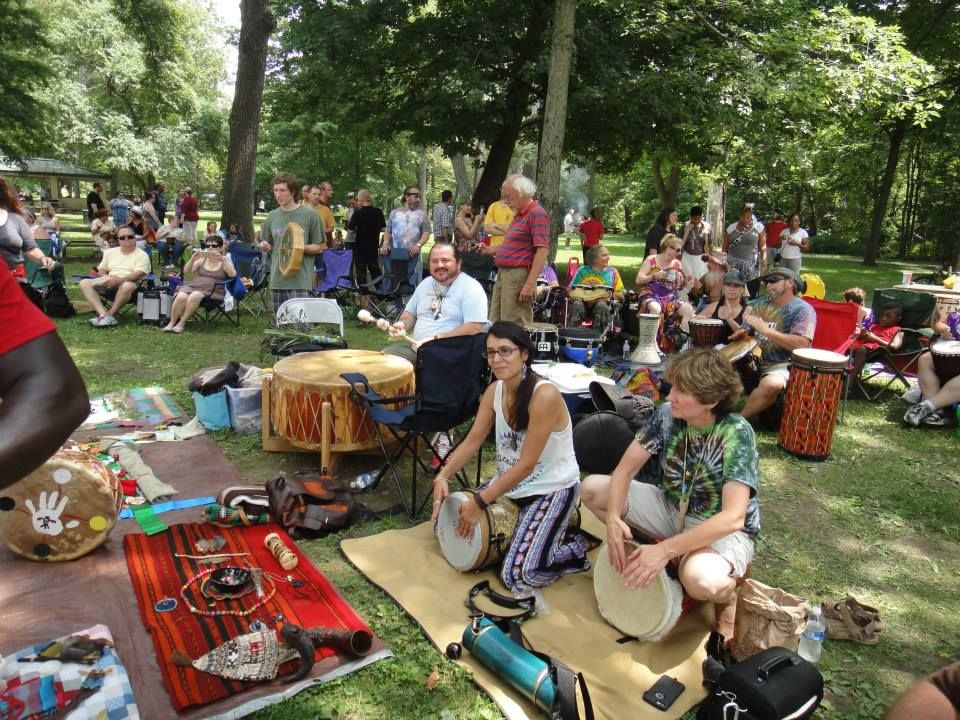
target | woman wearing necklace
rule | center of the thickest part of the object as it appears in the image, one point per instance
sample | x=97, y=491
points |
x=731, y=307
x=706, y=506
x=536, y=466
x=746, y=245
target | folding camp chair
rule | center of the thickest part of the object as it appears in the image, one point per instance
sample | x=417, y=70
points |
x=251, y=263
x=388, y=293
x=899, y=360
x=481, y=268
x=211, y=309
x=450, y=378
x=336, y=275
x=836, y=328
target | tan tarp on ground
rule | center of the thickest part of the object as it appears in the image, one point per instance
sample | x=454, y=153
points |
x=408, y=565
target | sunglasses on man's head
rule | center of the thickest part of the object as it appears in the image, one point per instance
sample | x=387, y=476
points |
x=773, y=279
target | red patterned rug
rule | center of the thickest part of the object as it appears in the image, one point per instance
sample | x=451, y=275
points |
x=308, y=601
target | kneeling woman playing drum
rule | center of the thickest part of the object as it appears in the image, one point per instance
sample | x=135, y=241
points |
x=536, y=467
x=706, y=507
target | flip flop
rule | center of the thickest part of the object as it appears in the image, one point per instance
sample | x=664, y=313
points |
x=846, y=628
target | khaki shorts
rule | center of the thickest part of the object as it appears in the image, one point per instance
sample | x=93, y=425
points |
x=779, y=370
x=649, y=510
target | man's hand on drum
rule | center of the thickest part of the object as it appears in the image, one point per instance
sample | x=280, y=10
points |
x=643, y=565
x=469, y=517
x=441, y=489
x=397, y=329
x=618, y=532
x=757, y=323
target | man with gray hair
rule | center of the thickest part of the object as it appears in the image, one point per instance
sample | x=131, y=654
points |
x=522, y=255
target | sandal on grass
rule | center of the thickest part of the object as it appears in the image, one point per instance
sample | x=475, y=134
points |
x=841, y=625
x=862, y=614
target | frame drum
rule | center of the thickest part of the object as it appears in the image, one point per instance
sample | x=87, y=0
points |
x=62, y=510
x=302, y=383
x=647, y=614
x=488, y=542
x=706, y=332
x=946, y=359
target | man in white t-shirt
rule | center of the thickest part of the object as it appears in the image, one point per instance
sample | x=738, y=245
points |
x=120, y=269
x=446, y=304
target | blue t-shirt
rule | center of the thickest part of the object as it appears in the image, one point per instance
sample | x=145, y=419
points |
x=440, y=309
x=726, y=451
x=797, y=317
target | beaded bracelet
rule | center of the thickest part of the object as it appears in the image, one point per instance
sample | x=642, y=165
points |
x=217, y=613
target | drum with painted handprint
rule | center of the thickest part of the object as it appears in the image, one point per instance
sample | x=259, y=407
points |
x=62, y=510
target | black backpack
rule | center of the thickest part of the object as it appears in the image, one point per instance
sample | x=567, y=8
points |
x=56, y=302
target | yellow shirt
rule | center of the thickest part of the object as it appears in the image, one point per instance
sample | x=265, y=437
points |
x=116, y=264
x=326, y=218
x=499, y=214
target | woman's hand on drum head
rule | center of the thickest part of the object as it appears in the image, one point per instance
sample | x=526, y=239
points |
x=441, y=488
x=643, y=565
x=618, y=532
x=469, y=517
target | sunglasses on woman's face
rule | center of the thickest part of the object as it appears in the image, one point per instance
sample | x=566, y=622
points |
x=212, y=245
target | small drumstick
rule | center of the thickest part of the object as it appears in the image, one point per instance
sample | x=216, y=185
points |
x=383, y=324
x=365, y=316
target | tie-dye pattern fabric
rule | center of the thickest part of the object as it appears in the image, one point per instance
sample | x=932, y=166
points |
x=723, y=452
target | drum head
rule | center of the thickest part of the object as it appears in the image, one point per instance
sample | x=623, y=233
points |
x=946, y=347
x=537, y=326
x=461, y=553
x=706, y=321
x=814, y=357
x=646, y=614
x=739, y=349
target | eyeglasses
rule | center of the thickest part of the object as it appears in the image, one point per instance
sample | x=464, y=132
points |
x=212, y=245
x=126, y=237
x=773, y=279
x=504, y=352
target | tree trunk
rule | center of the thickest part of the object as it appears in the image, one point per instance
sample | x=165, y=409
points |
x=422, y=175
x=716, y=212
x=668, y=191
x=550, y=157
x=464, y=186
x=812, y=219
x=897, y=133
x=256, y=24
x=497, y=164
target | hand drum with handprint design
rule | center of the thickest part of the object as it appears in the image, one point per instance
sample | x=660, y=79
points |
x=62, y=510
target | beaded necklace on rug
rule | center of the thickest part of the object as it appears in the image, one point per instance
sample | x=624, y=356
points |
x=258, y=579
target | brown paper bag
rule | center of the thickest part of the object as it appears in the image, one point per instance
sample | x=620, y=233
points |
x=767, y=617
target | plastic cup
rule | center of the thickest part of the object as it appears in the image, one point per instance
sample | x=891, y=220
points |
x=907, y=277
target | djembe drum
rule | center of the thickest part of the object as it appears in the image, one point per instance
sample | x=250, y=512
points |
x=811, y=403
x=706, y=332
x=62, y=510
x=302, y=383
x=646, y=352
x=647, y=614
x=744, y=355
x=491, y=536
x=946, y=359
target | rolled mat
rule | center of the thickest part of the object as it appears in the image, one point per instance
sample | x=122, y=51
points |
x=157, y=574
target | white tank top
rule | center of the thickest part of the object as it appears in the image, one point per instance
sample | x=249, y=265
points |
x=556, y=468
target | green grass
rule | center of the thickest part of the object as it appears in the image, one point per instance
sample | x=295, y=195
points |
x=877, y=520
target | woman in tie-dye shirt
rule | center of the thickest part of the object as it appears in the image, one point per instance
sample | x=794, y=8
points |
x=598, y=273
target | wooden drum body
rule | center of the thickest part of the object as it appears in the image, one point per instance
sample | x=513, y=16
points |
x=488, y=542
x=946, y=359
x=647, y=614
x=302, y=383
x=811, y=403
x=62, y=510
x=706, y=332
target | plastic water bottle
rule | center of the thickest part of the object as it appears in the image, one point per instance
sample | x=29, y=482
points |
x=626, y=349
x=361, y=482
x=811, y=643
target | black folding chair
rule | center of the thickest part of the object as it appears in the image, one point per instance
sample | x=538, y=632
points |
x=451, y=374
x=212, y=309
x=481, y=268
x=388, y=293
x=899, y=359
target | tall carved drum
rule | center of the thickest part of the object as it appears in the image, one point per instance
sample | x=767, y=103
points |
x=811, y=403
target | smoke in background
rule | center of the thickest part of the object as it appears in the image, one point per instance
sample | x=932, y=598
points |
x=573, y=186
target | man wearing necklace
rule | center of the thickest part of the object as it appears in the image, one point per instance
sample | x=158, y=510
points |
x=706, y=507
x=446, y=304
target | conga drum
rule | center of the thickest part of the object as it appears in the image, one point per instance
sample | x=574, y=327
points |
x=706, y=332
x=946, y=359
x=302, y=383
x=744, y=355
x=546, y=341
x=491, y=536
x=811, y=403
x=62, y=510
x=647, y=614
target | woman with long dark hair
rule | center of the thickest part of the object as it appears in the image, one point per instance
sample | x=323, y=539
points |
x=16, y=236
x=666, y=223
x=536, y=467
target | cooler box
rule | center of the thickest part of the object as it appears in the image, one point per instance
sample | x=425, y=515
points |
x=573, y=381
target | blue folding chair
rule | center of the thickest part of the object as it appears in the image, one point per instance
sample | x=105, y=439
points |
x=335, y=275
x=251, y=263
